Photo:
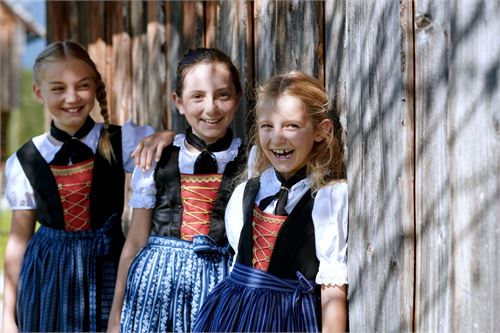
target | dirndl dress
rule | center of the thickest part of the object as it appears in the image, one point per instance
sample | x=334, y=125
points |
x=251, y=300
x=168, y=281
x=187, y=253
x=271, y=287
x=67, y=281
x=67, y=277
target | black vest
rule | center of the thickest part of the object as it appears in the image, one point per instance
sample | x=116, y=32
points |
x=167, y=214
x=107, y=189
x=294, y=249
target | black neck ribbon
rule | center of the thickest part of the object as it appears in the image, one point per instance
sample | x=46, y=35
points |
x=72, y=149
x=282, y=194
x=206, y=163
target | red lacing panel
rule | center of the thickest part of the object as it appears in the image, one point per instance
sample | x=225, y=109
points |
x=74, y=183
x=198, y=193
x=265, y=230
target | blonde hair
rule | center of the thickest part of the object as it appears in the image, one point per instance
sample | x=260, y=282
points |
x=60, y=51
x=325, y=162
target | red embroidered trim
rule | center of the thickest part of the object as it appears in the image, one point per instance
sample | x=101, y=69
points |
x=265, y=230
x=198, y=193
x=74, y=183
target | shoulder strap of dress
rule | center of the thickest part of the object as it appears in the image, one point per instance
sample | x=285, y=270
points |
x=170, y=158
x=246, y=243
x=42, y=180
x=233, y=168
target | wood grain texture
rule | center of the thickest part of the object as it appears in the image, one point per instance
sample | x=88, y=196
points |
x=381, y=234
x=228, y=24
x=457, y=67
x=120, y=89
x=414, y=85
x=140, y=61
x=156, y=69
x=183, y=32
x=287, y=37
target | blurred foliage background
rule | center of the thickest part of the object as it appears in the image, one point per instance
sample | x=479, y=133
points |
x=22, y=124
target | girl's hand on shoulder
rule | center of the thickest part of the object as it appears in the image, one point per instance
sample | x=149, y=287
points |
x=151, y=147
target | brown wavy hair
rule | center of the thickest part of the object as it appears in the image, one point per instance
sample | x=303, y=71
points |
x=325, y=162
x=59, y=51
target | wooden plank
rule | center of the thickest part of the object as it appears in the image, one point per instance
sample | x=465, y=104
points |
x=138, y=26
x=83, y=11
x=97, y=48
x=119, y=48
x=228, y=30
x=184, y=30
x=381, y=234
x=298, y=27
x=58, y=11
x=265, y=40
x=287, y=36
x=336, y=63
x=433, y=196
x=458, y=163
x=155, y=37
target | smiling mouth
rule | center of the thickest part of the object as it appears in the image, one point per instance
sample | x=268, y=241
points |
x=72, y=110
x=211, y=121
x=282, y=153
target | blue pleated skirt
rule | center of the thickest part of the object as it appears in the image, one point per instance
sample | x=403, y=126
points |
x=168, y=281
x=67, y=281
x=251, y=300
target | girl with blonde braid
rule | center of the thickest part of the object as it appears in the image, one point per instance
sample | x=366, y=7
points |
x=70, y=180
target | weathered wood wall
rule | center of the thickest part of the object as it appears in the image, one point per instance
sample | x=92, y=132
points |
x=380, y=171
x=457, y=182
x=415, y=86
x=138, y=44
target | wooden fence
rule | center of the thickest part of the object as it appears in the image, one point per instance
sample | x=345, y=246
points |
x=415, y=86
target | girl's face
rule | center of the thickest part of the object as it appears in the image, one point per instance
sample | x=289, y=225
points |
x=68, y=91
x=209, y=100
x=286, y=134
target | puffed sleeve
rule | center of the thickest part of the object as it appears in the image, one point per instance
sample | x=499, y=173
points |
x=132, y=134
x=330, y=228
x=143, y=189
x=18, y=191
x=234, y=217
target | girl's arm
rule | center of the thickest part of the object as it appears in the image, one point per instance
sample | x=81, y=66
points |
x=21, y=231
x=137, y=238
x=334, y=308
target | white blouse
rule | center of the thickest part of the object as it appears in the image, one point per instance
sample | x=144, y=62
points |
x=143, y=183
x=329, y=216
x=18, y=190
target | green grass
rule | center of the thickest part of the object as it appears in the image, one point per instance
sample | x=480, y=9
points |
x=4, y=233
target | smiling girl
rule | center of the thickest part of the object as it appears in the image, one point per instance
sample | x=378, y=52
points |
x=70, y=180
x=289, y=224
x=176, y=249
